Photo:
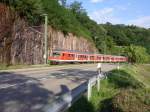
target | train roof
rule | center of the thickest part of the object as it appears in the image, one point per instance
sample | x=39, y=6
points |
x=72, y=51
x=89, y=53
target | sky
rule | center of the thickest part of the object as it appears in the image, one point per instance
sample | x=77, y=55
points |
x=136, y=12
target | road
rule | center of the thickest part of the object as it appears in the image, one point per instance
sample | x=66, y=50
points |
x=28, y=90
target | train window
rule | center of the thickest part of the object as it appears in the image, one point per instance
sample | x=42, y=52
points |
x=56, y=54
x=63, y=54
x=80, y=56
x=71, y=55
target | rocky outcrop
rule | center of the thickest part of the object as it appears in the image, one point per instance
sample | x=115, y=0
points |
x=6, y=21
x=69, y=42
x=22, y=44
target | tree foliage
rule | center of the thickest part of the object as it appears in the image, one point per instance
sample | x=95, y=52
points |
x=28, y=9
x=76, y=8
x=63, y=2
x=136, y=54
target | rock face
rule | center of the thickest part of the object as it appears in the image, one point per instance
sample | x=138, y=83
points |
x=22, y=44
x=69, y=42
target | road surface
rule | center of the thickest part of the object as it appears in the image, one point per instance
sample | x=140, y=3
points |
x=28, y=90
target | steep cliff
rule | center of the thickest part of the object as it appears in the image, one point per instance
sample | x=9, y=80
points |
x=69, y=42
x=23, y=44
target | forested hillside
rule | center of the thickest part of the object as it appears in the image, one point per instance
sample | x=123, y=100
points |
x=108, y=38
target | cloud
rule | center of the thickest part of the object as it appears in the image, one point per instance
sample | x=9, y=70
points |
x=108, y=15
x=141, y=21
x=96, y=1
x=104, y=15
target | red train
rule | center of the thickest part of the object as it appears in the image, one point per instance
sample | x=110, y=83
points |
x=69, y=56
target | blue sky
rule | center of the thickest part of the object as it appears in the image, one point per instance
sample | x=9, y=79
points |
x=135, y=12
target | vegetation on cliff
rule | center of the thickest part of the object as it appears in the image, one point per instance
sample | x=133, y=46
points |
x=74, y=18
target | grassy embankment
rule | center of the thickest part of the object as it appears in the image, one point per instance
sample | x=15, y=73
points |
x=126, y=90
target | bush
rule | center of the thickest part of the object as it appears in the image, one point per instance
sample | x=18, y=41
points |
x=130, y=100
x=137, y=54
x=82, y=105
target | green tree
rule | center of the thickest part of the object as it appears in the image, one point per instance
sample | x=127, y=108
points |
x=76, y=7
x=136, y=54
x=63, y=2
x=105, y=44
x=27, y=9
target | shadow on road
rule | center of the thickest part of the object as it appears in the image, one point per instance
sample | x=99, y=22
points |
x=75, y=75
x=27, y=93
x=64, y=89
x=23, y=96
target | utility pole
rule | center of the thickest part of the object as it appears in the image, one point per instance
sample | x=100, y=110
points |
x=45, y=38
x=95, y=37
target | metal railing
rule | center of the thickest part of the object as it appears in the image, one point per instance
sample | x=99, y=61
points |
x=62, y=103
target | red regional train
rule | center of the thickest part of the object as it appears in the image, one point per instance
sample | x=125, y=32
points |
x=72, y=56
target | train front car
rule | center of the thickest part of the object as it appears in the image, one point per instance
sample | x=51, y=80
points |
x=55, y=57
x=62, y=57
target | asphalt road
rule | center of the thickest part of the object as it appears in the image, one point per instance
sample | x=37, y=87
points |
x=28, y=90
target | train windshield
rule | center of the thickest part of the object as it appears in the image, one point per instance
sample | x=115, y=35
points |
x=56, y=54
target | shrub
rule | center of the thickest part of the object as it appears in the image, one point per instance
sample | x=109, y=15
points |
x=130, y=100
x=137, y=54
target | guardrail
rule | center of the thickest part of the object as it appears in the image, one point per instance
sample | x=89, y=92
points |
x=65, y=101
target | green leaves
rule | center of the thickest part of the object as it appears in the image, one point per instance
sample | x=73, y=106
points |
x=63, y=19
x=76, y=8
x=27, y=9
x=137, y=54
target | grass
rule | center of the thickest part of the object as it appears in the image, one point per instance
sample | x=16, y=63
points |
x=141, y=73
x=126, y=90
x=130, y=100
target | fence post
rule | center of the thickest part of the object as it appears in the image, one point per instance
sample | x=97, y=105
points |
x=98, y=82
x=99, y=68
x=89, y=90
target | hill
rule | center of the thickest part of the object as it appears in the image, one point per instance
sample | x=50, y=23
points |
x=73, y=18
